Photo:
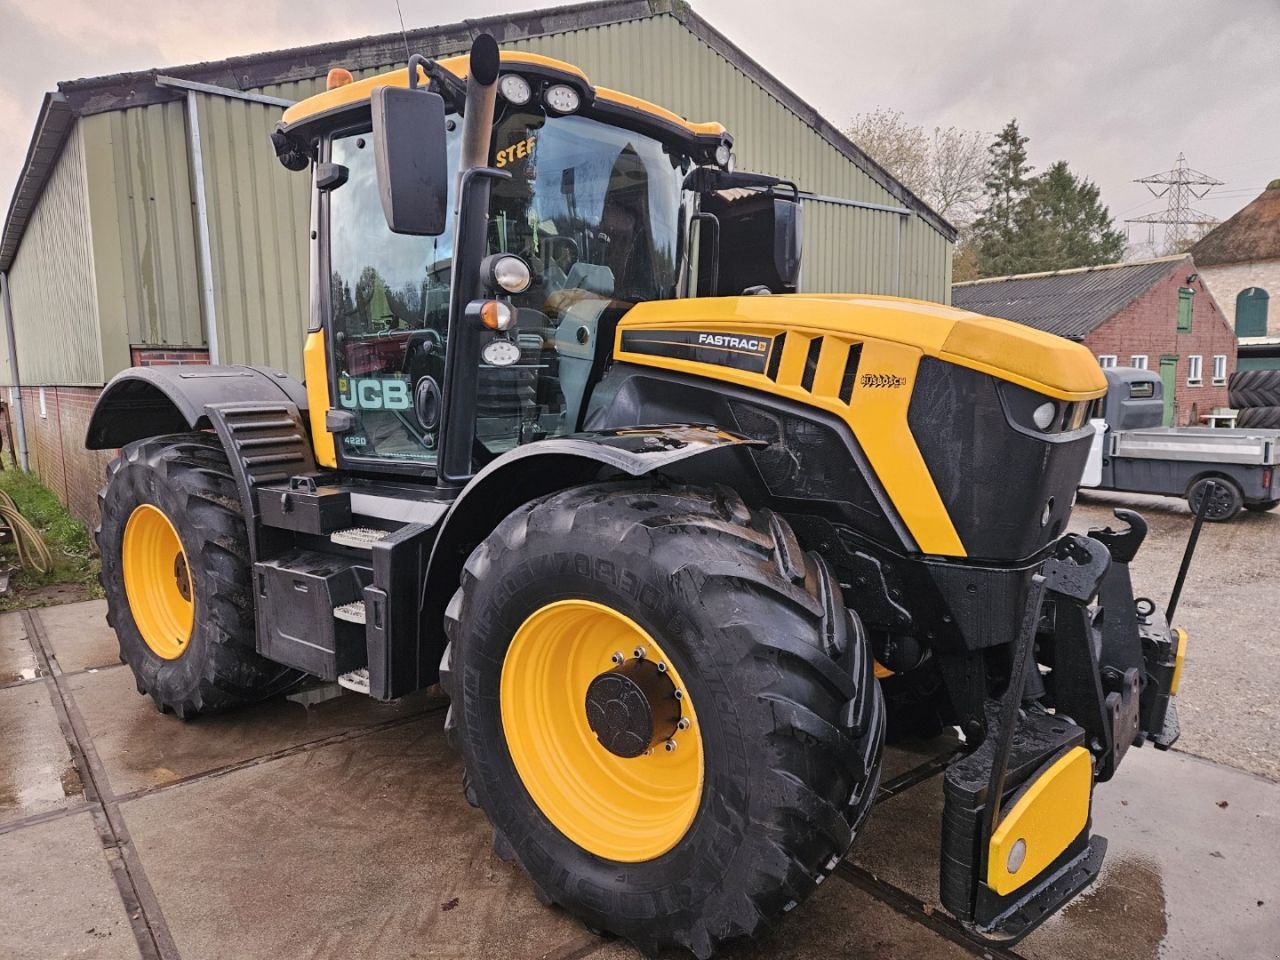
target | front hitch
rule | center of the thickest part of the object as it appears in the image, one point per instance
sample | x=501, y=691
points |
x=1016, y=842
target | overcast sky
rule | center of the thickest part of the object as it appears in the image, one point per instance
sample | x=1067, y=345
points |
x=1115, y=87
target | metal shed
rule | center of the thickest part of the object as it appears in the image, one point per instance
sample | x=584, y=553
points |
x=153, y=224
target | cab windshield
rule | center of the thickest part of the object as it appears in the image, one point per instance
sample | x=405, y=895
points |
x=598, y=214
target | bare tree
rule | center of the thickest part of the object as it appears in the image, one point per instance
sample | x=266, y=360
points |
x=944, y=168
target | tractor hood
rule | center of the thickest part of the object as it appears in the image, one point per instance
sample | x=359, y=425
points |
x=755, y=334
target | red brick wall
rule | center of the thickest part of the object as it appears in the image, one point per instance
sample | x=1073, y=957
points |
x=167, y=356
x=1150, y=325
x=55, y=446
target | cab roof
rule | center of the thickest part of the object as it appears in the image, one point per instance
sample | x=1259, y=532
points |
x=595, y=100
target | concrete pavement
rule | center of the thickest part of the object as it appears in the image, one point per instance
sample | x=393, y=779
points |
x=339, y=830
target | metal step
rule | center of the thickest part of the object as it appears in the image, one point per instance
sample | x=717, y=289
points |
x=352, y=612
x=356, y=680
x=362, y=538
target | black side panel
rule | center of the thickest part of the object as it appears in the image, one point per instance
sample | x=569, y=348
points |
x=971, y=450
x=149, y=401
x=810, y=462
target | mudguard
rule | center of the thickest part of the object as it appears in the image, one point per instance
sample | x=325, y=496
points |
x=537, y=469
x=150, y=401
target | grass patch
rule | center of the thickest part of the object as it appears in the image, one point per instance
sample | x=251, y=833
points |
x=75, y=564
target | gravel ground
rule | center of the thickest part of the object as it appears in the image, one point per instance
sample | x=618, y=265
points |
x=1230, y=608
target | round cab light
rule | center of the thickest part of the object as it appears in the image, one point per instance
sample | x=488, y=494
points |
x=562, y=98
x=724, y=156
x=512, y=274
x=515, y=89
x=497, y=315
x=1043, y=415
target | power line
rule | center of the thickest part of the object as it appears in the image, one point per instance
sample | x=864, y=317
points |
x=1182, y=185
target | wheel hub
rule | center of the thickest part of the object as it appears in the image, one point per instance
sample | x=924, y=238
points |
x=632, y=708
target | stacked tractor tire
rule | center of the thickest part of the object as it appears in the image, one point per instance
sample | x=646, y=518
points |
x=1256, y=394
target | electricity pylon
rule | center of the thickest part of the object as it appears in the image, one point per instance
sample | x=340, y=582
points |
x=1182, y=185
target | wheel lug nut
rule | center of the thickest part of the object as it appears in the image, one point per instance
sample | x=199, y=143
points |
x=679, y=694
x=662, y=668
x=638, y=653
x=683, y=724
x=618, y=658
x=670, y=745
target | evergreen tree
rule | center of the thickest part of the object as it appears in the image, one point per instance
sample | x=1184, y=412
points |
x=998, y=233
x=1054, y=221
x=1067, y=224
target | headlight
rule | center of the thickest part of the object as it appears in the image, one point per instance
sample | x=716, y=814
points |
x=723, y=155
x=515, y=89
x=512, y=274
x=1043, y=415
x=562, y=98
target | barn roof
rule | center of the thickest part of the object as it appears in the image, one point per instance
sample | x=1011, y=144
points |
x=1069, y=303
x=76, y=98
x=1252, y=234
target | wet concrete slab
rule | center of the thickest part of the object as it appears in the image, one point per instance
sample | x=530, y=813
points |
x=364, y=848
x=1190, y=870
x=78, y=635
x=142, y=748
x=58, y=896
x=837, y=921
x=36, y=772
x=17, y=659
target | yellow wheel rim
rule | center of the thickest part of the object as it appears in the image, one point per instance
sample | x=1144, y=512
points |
x=157, y=581
x=621, y=808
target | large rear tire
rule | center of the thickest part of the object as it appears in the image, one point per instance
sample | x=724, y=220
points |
x=768, y=781
x=175, y=571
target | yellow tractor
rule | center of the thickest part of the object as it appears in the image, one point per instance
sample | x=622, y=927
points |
x=680, y=543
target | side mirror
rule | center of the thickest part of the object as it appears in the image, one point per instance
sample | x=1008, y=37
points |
x=411, y=159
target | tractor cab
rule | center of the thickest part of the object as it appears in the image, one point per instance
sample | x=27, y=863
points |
x=580, y=202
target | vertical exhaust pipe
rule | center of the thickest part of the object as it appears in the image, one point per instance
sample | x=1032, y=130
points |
x=482, y=94
x=470, y=242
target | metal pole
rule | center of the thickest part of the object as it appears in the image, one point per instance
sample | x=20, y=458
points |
x=1210, y=489
x=16, y=406
x=897, y=267
x=202, y=227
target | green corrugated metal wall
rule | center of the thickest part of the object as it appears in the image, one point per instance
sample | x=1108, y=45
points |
x=140, y=194
x=258, y=233
x=51, y=282
x=144, y=232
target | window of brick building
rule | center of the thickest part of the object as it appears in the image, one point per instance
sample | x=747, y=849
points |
x=1106, y=360
x=1220, y=369
x=1186, y=300
x=1138, y=361
x=1195, y=370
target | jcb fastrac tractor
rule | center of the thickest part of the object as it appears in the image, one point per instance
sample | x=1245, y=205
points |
x=680, y=543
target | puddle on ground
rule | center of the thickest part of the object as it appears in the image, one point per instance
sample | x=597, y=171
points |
x=29, y=673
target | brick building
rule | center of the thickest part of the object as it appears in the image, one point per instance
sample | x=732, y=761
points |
x=1240, y=262
x=1156, y=314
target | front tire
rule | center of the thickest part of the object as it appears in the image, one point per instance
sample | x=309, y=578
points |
x=175, y=571
x=766, y=786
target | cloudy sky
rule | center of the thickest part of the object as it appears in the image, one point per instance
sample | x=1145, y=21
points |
x=1115, y=87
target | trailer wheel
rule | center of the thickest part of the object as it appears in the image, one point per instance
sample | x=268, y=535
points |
x=175, y=571
x=1262, y=506
x=665, y=710
x=1224, y=503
